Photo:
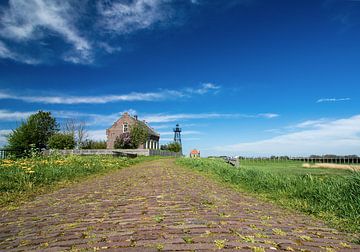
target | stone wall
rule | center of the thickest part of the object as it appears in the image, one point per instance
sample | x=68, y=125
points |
x=164, y=153
x=139, y=152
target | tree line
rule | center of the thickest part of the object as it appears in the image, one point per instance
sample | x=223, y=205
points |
x=41, y=131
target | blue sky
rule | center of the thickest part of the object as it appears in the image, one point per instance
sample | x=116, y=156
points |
x=241, y=77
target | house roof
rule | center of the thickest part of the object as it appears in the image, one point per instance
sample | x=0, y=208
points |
x=150, y=130
x=195, y=151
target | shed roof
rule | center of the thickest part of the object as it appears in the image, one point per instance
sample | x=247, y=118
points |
x=195, y=151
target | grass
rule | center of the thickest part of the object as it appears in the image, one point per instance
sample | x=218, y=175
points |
x=22, y=179
x=331, y=194
x=293, y=168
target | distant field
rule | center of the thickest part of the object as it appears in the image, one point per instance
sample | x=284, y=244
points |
x=293, y=168
x=331, y=194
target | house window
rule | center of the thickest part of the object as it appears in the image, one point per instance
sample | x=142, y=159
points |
x=125, y=127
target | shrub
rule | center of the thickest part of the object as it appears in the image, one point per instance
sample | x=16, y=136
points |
x=61, y=141
x=123, y=141
x=174, y=147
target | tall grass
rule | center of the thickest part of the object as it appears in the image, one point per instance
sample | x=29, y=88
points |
x=334, y=198
x=24, y=178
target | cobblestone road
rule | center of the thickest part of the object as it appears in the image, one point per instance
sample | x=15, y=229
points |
x=158, y=206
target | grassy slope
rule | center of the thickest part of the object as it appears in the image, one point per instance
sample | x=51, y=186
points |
x=23, y=179
x=333, y=195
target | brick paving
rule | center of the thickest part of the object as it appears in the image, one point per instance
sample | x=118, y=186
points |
x=158, y=206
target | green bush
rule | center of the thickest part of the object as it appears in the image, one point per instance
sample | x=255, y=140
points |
x=123, y=141
x=91, y=144
x=173, y=146
x=61, y=141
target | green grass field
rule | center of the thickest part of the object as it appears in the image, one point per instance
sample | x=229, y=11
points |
x=292, y=168
x=331, y=194
x=22, y=179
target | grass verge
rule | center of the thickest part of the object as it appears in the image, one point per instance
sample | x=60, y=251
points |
x=22, y=179
x=332, y=197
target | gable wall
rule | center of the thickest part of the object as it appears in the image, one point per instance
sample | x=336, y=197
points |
x=117, y=129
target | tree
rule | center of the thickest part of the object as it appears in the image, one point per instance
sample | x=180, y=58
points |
x=35, y=131
x=77, y=129
x=173, y=146
x=61, y=141
x=91, y=144
x=138, y=135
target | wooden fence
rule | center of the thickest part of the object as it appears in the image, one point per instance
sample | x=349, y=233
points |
x=334, y=160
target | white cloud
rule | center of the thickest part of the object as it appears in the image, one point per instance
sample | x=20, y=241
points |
x=160, y=95
x=123, y=17
x=134, y=96
x=340, y=136
x=24, y=24
x=332, y=100
x=268, y=115
x=30, y=20
x=310, y=123
x=6, y=115
x=97, y=135
x=108, y=48
x=163, y=118
x=205, y=88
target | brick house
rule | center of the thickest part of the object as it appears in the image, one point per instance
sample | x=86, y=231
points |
x=123, y=125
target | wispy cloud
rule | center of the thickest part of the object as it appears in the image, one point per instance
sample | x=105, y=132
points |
x=7, y=115
x=6, y=53
x=332, y=100
x=160, y=95
x=29, y=23
x=134, y=96
x=126, y=17
x=310, y=123
x=31, y=20
x=205, y=88
x=163, y=118
x=340, y=136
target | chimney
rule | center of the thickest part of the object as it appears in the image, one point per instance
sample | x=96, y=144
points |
x=136, y=117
